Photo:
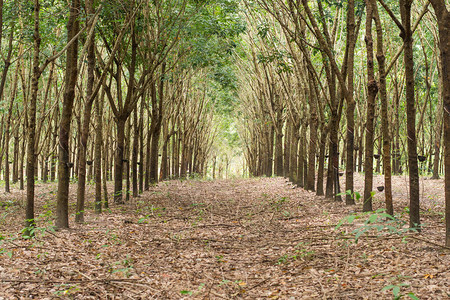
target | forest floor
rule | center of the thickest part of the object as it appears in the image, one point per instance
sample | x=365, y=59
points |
x=226, y=239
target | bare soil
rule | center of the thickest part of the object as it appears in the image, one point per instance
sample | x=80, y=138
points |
x=227, y=239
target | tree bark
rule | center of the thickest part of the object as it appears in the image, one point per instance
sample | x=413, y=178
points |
x=443, y=16
x=372, y=88
x=414, y=209
x=64, y=166
x=31, y=130
x=98, y=152
x=384, y=113
x=134, y=166
x=351, y=40
x=81, y=188
x=118, y=161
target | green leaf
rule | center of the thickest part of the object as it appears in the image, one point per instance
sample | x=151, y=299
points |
x=373, y=218
x=396, y=291
x=347, y=192
x=186, y=293
x=412, y=296
x=388, y=287
x=348, y=219
x=360, y=232
x=351, y=219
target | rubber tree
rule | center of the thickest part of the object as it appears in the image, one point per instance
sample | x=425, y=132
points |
x=443, y=17
x=64, y=165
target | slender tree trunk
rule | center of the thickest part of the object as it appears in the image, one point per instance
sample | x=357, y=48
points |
x=310, y=180
x=127, y=160
x=438, y=124
x=15, y=176
x=321, y=168
x=443, y=16
x=295, y=136
x=118, y=161
x=147, y=157
x=371, y=96
x=437, y=147
x=279, y=152
x=301, y=177
x=164, y=157
x=98, y=152
x=396, y=125
x=31, y=130
x=24, y=150
x=287, y=150
x=105, y=178
x=81, y=189
x=141, y=149
x=384, y=113
x=135, y=154
x=157, y=115
x=351, y=40
x=270, y=144
x=54, y=155
x=333, y=160
x=414, y=210
x=8, y=128
x=64, y=166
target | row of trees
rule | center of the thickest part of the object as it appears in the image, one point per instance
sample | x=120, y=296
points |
x=350, y=83
x=133, y=91
x=111, y=90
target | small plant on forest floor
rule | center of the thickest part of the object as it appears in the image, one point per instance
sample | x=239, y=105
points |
x=277, y=203
x=396, y=289
x=7, y=205
x=3, y=239
x=301, y=252
x=124, y=266
x=113, y=238
x=219, y=259
x=355, y=195
x=379, y=221
x=34, y=231
x=153, y=212
x=185, y=292
x=191, y=293
x=66, y=290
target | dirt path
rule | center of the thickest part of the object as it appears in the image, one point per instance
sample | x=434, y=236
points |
x=252, y=239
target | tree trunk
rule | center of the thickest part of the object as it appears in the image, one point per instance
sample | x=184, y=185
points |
x=443, y=16
x=164, y=159
x=8, y=130
x=321, y=168
x=82, y=152
x=7, y=64
x=118, y=161
x=31, y=130
x=384, y=113
x=134, y=156
x=141, y=148
x=310, y=179
x=438, y=124
x=287, y=149
x=279, y=152
x=64, y=166
x=301, y=177
x=351, y=40
x=414, y=209
x=372, y=88
x=127, y=159
x=98, y=152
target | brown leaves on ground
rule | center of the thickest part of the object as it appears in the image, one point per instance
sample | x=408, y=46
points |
x=247, y=238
